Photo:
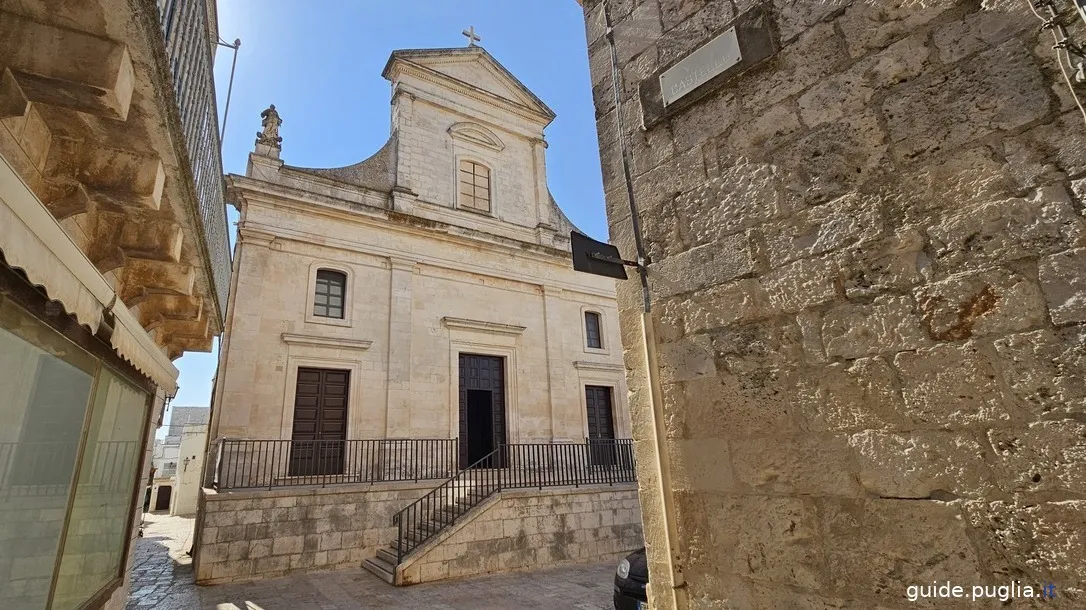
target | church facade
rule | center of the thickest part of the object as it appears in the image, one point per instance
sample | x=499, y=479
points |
x=426, y=292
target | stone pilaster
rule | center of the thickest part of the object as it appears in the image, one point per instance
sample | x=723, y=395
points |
x=398, y=405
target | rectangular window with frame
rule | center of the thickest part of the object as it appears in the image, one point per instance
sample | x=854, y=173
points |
x=330, y=294
x=474, y=186
x=592, y=330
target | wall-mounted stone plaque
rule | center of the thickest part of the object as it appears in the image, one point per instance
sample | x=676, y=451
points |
x=700, y=67
x=736, y=47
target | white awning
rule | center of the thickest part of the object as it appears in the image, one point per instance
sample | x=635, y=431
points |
x=33, y=240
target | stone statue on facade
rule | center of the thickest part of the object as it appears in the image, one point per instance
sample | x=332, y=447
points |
x=268, y=141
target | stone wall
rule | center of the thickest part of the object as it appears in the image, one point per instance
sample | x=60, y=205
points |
x=248, y=535
x=867, y=296
x=523, y=529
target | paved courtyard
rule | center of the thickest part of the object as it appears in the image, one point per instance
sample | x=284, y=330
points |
x=162, y=579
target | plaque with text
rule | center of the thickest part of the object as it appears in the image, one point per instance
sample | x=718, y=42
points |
x=700, y=67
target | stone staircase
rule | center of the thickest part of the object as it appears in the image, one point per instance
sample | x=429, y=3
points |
x=457, y=500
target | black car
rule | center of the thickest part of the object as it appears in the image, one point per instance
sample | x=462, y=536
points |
x=631, y=578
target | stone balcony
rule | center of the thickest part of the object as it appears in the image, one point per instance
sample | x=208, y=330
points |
x=107, y=113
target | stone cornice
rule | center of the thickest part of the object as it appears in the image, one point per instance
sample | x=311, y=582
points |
x=584, y=365
x=482, y=326
x=317, y=341
x=405, y=68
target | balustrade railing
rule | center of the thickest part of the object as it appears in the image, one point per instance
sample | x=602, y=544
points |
x=512, y=466
x=249, y=464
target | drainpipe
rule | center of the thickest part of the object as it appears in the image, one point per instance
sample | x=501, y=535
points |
x=674, y=585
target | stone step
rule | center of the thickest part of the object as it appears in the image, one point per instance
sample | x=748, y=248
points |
x=387, y=556
x=381, y=569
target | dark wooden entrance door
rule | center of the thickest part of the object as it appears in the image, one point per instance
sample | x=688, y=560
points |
x=162, y=502
x=482, y=408
x=320, y=422
x=601, y=425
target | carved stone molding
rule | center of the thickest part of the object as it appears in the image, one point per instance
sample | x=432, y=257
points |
x=317, y=341
x=482, y=326
x=584, y=365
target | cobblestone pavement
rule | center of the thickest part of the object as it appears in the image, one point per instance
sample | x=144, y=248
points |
x=162, y=579
x=583, y=587
x=161, y=571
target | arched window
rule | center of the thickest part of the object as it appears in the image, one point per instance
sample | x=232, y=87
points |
x=592, y=330
x=329, y=295
x=474, y=186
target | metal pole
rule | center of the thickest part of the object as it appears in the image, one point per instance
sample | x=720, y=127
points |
x=230, y=87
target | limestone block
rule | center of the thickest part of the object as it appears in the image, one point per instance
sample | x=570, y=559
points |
x=856, y=395
x=288, y=545
x=810, y=328
x=833, y=159
x=260, y=548
x=1007, y=230
x=699, y=464
x=1063, y=279
x=637, y=32
x=732, y=406
x=1046, y=152
x=902, y=61
x=771, y=539
x=688, y=25
x=1045, y=371
x=267, y=565
x=744, y=195
x=688, y=359
x=835, y=97
x=719, y=306
x=719, y=110
x=1042, y=542
x=703, y=266
x=951, y=385
x=774, y=125
x=797, y=16
x=797, y=66
x=890, y=324
x=976, y=175
x=1049, y=456
x=848, y=222
x=998, y=89
x=869, y=26
x=933, y=464
x=795, y=465
x=980, y=30
x=803, y=284
x=892, y=264
x=876, y=548
x=998, y=301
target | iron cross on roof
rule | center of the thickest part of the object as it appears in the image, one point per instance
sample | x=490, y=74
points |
x=472, y=36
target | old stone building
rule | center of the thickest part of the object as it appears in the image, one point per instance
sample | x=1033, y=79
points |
x=403, y=318
x=113, y=263
x=866, y=243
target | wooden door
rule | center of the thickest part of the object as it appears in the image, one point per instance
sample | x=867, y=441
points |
x=601, y=425
x=320, y=422
x=480, y=374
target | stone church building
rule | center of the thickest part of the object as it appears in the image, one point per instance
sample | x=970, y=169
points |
x=381, y=288
x=398, y=320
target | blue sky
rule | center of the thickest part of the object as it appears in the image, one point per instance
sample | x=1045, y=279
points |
x=320, y=64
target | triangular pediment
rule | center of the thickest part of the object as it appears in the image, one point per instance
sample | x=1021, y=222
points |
x=468, y=67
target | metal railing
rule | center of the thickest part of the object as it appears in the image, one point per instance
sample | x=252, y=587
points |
x=190, y=51
x=46, y=468
x=167, y=471
x=512, y=466
x=254, y=464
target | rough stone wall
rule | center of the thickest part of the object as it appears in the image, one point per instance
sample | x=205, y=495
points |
x=526, y=529
x=266, y=534
x=867, y=293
